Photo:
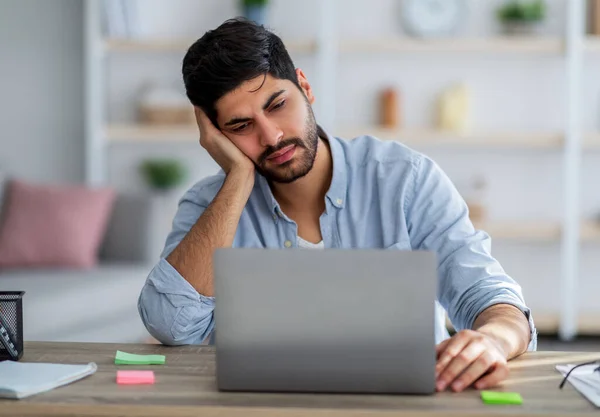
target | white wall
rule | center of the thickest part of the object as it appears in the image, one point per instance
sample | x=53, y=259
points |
x=41, y=90
x=509, y=93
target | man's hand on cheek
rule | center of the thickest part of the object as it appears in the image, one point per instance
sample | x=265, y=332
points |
x=470, y=357
x=220, y=147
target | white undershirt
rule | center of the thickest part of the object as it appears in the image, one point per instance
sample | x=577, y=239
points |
x=308, y=245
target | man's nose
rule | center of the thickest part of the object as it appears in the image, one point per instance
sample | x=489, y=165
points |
x=270, y=134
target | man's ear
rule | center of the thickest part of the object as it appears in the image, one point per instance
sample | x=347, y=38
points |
x=305, y=86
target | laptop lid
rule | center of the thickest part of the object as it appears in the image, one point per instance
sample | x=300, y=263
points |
x=325, y=321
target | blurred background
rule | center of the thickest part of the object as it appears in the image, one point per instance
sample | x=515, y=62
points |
x=504, y=95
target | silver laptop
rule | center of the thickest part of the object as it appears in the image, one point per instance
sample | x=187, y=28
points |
x=353, y=321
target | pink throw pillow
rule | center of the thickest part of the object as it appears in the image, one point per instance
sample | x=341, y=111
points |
x=60, y=226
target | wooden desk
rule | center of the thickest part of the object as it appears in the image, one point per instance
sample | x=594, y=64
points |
x=186, y=387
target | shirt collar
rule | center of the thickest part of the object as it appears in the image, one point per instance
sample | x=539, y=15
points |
x=337, y=189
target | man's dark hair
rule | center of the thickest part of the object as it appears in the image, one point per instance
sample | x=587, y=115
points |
x=221, y=60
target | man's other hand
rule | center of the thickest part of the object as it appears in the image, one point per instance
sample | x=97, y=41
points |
x=470, y=357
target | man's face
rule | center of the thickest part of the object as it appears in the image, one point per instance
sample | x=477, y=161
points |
x=271, y=121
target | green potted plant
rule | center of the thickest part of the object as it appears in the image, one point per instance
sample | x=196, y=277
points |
x=163, y=174
x=255, y=10
x=520, y=17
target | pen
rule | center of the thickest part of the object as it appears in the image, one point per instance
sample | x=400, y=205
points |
x=6, y=340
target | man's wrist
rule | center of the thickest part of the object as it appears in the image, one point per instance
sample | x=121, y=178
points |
x=507, y=325
x=242, y=173
x=236, y=190
x=495, y=334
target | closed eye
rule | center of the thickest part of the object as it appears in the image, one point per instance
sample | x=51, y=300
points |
x=278, y=105
x=240, y=128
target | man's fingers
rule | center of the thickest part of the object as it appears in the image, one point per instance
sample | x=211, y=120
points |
x=460, y=362
x=204, y=123
x=201, y=117
x=484, y=362
x=499, y=374
x=453, y=347
x=220, y=147
x=439, y=349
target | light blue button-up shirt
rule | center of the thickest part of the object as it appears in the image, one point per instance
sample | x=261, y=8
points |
x=382, y=195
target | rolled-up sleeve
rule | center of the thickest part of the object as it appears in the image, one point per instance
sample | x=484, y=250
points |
x=171, y=309
x=470, y=279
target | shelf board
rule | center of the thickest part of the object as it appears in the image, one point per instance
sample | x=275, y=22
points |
x=591, y=141
x=525, y=231
x=492, y=140
x=181, y=45
x=592, y=43
x=590, y=231
x=548, y=323
x=415, y=137
x=532, y=231
x=152, y=134
x=525, y=45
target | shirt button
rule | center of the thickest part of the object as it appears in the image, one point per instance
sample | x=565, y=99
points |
x=274, y=216
x=288, y=244
x=339, y=201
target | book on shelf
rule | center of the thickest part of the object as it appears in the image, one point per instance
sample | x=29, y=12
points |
x=594, y=17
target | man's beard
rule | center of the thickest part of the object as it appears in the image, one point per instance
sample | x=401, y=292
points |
x=305, y=154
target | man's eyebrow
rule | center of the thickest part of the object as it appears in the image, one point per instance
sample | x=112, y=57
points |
x=237, y=120
x=273, y=97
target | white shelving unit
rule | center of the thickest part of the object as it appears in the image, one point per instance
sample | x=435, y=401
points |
x=95, y=152
x=575, y=33
x=498, y=45
x=142, y=134
x=179, y=46
x=571, y=231
x=479, y=140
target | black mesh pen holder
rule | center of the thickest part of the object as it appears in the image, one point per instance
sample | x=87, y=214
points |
x=11, y=325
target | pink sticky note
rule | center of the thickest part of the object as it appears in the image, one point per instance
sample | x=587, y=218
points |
x=135, y=377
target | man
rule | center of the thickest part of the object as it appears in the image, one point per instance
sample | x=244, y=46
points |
x=285, y=183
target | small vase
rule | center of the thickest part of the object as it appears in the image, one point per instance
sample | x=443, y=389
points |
x=521, y=28
x=256, y=13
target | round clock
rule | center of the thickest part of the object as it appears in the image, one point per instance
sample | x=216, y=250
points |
x=427, y=18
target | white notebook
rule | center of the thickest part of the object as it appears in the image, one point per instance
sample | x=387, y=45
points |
x=22, y=379
x=585, y=380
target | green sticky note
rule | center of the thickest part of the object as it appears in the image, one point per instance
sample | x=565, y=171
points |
x=493, y=397
x=124, y=358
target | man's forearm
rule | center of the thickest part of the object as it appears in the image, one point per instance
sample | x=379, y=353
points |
x=215, y=228
x=507, y=325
